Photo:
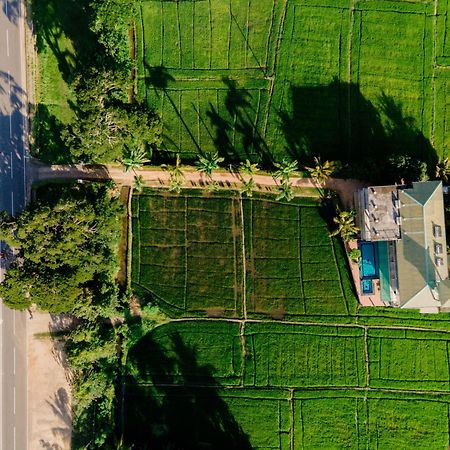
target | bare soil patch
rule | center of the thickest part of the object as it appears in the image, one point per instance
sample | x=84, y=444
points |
x=49, y=394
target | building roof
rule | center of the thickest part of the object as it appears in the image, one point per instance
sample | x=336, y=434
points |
x=421, y=208
x=378, y=213
x=422, y=191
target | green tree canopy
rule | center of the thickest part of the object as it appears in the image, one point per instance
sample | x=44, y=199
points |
x=66, y=249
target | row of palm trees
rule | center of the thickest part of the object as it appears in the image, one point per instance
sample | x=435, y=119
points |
x=209, y=162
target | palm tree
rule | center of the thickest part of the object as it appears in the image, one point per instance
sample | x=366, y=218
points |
x=208, y=162
x=285, y=169
x=250, y=170
x=355, y=255
x=138, y=183
x=176, y=184
x=176, y=175
x=443, y=169
x=135, y=158
x=285, y=191
x=321, y=172
x=346, y=228
x=248, y=187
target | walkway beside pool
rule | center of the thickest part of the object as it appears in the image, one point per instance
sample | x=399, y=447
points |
x=365, y=300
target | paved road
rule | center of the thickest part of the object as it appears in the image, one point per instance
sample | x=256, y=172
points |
x=13, y=392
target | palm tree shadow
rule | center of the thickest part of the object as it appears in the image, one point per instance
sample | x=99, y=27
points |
x=337, y=122
x=173, y=402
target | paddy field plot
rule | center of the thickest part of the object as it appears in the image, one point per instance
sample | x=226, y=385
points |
x=293, y=386
x=267, y=79
x=228, y=256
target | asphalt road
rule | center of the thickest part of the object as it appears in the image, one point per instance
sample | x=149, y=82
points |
x=13, y=370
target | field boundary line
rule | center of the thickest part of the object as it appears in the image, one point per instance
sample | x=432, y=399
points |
x=185, y=252
x=316, y=324
x=269, y=36
x=247, y=33
x=365, y=390
x=366, y=356
x=341, y=284
x=139, y=239
x=129, y=253
x=244, y=263
x=180, y=50
x=291, y=418
x=229, y=34
x=275, y=62
x=243, y=352
x=349, y=70
x=300, y=266
x=433, y=75
x=162, y=33
x=448, y=364
x=235, y=255
x=210, y=33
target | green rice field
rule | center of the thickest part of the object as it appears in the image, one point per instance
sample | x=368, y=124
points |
x=271, y=78
x=277, y=385
x=288, y=362
x=228, y=256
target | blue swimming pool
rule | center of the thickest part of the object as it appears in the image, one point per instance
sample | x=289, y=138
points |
x=367, y=287
x=369, y=260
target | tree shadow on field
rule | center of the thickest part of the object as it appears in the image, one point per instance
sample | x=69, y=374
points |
x=59, y=21
x=230, y=125
x=173, y=402
x=235, y=134
x=337, y=122
x=49, y=145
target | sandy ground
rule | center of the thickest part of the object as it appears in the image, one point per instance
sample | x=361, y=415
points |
x=49, y=414
x=155, y=177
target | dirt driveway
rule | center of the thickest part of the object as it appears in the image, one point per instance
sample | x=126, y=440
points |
x=49, y=405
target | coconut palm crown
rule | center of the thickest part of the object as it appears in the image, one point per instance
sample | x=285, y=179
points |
x=346, y=227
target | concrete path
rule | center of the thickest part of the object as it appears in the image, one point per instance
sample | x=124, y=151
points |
x=13, y=123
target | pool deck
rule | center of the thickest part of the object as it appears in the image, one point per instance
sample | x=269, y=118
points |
x=365, y=300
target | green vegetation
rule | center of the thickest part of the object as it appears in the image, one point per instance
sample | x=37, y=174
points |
x=275, y=79
x=85, y=108
x=269, y=82
x=190, y=253
x=177, y=375
x=67, y=245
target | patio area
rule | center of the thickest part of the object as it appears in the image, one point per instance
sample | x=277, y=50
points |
x=369, y=299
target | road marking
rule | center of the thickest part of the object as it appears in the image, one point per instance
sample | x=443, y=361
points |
x=14, y=354
x=14, y=319
x=14, y=391
x=14, y=430
x=11, y=165
x=7, y=40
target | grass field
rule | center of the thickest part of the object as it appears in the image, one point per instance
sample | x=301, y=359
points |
x=262, y=79
x=63, y=40
x=228, y=256
x=293, y=386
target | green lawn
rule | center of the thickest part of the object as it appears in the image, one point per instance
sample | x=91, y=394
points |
x=197, y=255
x=262, y=79
x=63, y=44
